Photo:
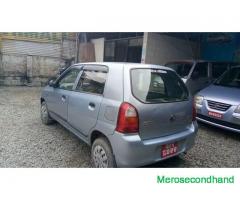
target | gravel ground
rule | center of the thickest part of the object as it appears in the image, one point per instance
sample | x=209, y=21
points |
x=26, y=142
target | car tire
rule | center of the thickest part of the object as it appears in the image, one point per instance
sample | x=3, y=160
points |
x=101, y=154
x=45, y=117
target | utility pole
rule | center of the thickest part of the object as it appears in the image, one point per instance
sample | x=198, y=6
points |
x=77, y=48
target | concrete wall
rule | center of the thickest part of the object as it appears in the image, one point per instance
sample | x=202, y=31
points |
x=13, y=69
x=159, y=49
x=43, y=68
x=25, y=62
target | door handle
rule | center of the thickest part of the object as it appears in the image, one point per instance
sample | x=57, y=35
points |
x=91, y=106
x=63, y=98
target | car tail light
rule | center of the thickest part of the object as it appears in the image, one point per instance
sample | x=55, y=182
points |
x=128, y=121
x=194, y=112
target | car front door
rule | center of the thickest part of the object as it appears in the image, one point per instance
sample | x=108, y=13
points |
x=58, y=99
x=84, y=103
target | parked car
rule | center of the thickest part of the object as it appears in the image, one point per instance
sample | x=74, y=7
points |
x=219, y=104
x=198, y=74
x=130, y=114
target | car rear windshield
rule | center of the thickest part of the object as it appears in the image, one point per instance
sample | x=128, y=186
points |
x=182, y=69
x=231, y=78
x=157, y=86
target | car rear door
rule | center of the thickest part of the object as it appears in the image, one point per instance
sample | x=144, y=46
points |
x=59, y=97
x=162, y=102
x=85, y=101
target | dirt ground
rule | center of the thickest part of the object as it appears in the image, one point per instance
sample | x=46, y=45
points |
x=26, y=142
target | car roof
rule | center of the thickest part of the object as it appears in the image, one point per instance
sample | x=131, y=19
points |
x=124, y=64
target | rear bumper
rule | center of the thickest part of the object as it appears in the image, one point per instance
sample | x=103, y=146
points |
x=131, y=151
x=219, y=123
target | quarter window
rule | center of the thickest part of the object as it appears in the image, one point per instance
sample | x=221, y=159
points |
x=92, y=81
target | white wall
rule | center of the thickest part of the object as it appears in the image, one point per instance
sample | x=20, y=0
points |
x=159, y=49
x=99, y=49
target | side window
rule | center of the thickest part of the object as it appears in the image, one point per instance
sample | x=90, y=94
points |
x=218, y=69
x=92, y=81
x=68, y=80
x=201, y=70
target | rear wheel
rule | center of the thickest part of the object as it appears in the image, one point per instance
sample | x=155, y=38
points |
x=101, y=154
x=45, y=117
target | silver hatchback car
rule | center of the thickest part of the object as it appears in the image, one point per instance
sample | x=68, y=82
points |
x=130, y=114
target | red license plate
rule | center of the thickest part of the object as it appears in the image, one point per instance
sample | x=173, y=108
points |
x=214, y=114
x=169, y=150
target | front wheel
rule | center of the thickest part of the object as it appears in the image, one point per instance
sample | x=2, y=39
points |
x=45, y=117
x=101, y=154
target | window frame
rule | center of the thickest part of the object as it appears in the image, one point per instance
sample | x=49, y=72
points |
x=92, y=67
x=183, y=84
x=64, y=74
x=196, y=65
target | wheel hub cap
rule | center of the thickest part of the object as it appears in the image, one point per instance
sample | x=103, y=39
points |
x=43, y=111
x=100, y=157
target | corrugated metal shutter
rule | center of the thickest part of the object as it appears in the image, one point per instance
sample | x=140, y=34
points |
x=39, y=36
x=31, y=48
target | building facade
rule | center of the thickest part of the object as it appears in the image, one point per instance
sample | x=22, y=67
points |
x=31, y=58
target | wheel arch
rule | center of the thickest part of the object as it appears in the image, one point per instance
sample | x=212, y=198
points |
x=42, y=99
x=97, y=134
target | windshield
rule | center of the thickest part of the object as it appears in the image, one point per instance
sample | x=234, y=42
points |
x=231, y=78
x=157, y=86
x=182, y=69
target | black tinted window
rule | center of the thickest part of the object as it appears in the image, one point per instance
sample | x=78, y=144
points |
x=201, y=70
x=231, y=78
x=68, y=79
x=157, y=86
x=92, y=81
x=218, y=69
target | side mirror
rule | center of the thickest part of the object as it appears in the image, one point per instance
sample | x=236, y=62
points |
x=61, y=70
x=51, y=83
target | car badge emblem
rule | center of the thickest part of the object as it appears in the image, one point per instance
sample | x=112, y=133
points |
x=172, y=118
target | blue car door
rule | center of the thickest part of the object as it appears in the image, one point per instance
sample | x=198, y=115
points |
x=59, y=97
